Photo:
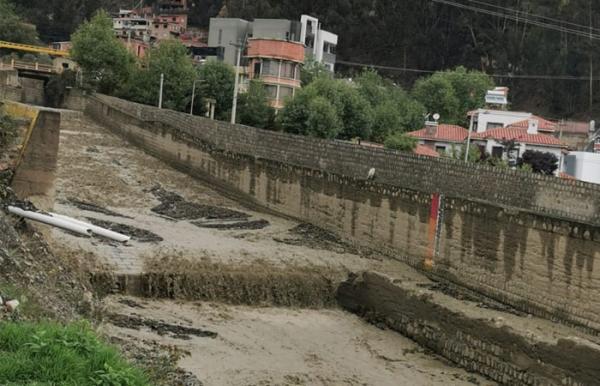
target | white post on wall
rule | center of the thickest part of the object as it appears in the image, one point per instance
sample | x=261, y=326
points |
x=237, y=82
x=469, y=137
x=160, y=96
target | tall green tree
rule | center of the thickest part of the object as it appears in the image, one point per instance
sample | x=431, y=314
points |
x=12, y=28
x=253, y=107
x=394, y=111
x=105, y=61
x=218, y=80
x=172, y=60
x=312, y=70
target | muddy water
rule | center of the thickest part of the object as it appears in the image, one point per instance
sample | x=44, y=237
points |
x=266, y=346
x=193, y=244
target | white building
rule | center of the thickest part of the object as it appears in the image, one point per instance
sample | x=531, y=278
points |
x=320, y=44
x=583, y=166
x=493, y=141
x=486, y=119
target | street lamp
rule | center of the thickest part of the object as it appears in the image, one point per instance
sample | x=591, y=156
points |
x=240, y=48
x=194, y=94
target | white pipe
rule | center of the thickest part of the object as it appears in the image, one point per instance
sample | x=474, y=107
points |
x=95, y=229
x=46, y=219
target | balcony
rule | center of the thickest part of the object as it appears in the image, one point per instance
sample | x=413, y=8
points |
x=276, y=49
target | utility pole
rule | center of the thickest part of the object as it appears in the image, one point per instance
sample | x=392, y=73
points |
x=160, y=96
x=240, y=47
x=591, y=62
x=194, y=95
x=469, y=137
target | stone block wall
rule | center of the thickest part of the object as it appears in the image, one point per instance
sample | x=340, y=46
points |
x=527, y=240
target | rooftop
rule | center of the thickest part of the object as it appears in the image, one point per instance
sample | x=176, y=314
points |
x=519, y=134
x=448, y=133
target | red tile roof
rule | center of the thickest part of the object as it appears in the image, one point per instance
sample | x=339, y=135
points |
x=519, y=135
x=444, y=133
x=424, y=150
x=570, y=127
x=543, y=124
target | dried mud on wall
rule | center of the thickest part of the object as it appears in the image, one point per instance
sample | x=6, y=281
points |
x=515, y=246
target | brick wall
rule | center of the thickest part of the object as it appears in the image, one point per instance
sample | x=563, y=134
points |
x=528, y=240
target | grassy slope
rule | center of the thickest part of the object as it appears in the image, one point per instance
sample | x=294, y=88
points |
x=52, y=354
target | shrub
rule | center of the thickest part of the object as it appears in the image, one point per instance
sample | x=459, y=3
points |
x=401, y=142
x=49, y=353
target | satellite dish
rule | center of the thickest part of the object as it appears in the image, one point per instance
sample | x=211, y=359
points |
x=436, y=117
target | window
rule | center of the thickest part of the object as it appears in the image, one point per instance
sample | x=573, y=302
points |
x=287, y=70
x=440, y=149
x=494, y=125
x=497, y=151
x=285, y=92
x=270, y=68
x=257, y=68
x=271, y=91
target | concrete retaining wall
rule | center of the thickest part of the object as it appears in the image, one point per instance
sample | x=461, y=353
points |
x=473, y=339
x=527, y=240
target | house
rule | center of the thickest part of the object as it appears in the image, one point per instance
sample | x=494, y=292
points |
x=487, y=119
x=583, y=166
x=318, y=43
x=441, y=138
x=576, y=134
x=277, y=64
x=494, y=141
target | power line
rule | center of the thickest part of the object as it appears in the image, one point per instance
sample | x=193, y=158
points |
x=516, y=18
x=502, y=76
x=526, y=14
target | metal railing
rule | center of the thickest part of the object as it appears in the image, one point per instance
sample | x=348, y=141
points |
x=36, y=49
x=31, y=66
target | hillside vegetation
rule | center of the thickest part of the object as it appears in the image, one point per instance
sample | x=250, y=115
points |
x=414, y=34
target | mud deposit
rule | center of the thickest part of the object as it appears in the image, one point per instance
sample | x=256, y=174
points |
x=266, y=346
x=176, y=207
x=314, y=237
x=92, y=207
x=140, y=235
x=160, y=327
x=244, y=225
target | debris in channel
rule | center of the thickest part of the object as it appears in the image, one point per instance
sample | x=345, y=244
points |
x=69, y=224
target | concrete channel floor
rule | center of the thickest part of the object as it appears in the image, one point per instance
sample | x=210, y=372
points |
x=266, y=346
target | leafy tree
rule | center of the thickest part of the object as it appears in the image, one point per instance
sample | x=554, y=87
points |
x=470, y=88
x=394, y=110
x=475, y=154
x=401, y=142
x=540, y=162
x=12, y=28
x=353, y=111
x=437, y=94
x=253, y=107
x=218, y=81
x=312, y=70
x=56, y=88
x=352, y=108
x=105, y=62
x=323, y=120
x=171, y=59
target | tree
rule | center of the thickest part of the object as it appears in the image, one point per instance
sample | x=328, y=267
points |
x=394, y=111
x=56, y=88
x=540, y=162
x=253, y=107
x=353, y=110
x=105, y=61
x=401, y=142
x=218, y=81
x=170, y=59
x=437, y=94
x=470, y=88
x=323, y=120
x=312, y=70
x=12, y=28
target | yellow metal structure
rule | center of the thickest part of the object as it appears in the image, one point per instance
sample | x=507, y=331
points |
x=36, y=49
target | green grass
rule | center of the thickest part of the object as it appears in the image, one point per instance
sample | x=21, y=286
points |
x=51, y=354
